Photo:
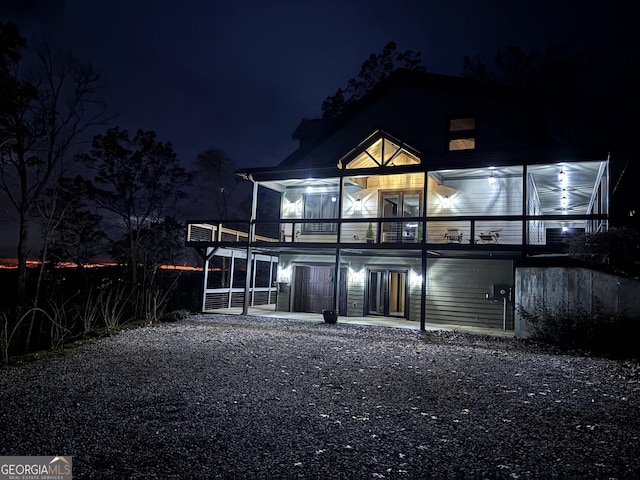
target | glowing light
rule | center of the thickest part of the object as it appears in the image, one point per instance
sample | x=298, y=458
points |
x=492, y=180
x=309, y=189
x=565, y=229
x=564, y=201
x=284, y=275
x=415, y=278
x=356, y=276
x=446, y=202
x=562, y=175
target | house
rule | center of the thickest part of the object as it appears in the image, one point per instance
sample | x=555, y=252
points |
x=418, y=204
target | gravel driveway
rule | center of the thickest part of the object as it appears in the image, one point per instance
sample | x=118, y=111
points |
x=242, y=397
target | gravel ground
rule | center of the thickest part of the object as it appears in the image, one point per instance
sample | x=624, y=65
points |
x=242, y=397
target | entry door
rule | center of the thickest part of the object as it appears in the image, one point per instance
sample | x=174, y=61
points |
x=387, y=293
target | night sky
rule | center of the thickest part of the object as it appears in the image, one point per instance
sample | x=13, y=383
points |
x=240, y=75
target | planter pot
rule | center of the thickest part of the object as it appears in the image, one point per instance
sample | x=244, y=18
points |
x=369, y=240
x=330, y=316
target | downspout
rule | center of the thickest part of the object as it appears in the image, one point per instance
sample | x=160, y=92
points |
x=250, y=237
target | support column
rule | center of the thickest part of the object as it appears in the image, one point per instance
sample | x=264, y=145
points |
x=336, y=281
x=208, y=253
x=423, y=292
x=250, y=238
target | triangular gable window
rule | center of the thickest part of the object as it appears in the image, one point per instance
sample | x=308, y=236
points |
x=383, y=152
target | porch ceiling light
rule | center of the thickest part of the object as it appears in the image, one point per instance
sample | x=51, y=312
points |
x=562, y=175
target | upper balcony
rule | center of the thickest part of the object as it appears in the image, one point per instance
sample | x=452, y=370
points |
x=508, y=207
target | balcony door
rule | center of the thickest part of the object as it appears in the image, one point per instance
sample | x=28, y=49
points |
x=387, y=293
x=399, y=204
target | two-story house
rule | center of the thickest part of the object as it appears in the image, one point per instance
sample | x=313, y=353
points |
x=417, y=203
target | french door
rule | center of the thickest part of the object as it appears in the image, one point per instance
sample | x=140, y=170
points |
x=398, y=204
x=387, y=293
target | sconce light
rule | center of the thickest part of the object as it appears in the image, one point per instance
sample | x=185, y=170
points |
x=564, y=201
x=492, y=179
x=446, y=202
x=309, y=189
x=357, y=205
x=334, y=198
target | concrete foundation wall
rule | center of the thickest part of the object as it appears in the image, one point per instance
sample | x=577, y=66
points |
x=573, y=287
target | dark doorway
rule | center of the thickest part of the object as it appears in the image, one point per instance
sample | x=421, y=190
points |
x=387, y=293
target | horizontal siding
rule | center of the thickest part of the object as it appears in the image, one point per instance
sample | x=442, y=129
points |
x=415, y=294
x=456, y=292
x=282, y=301
x=355, y=299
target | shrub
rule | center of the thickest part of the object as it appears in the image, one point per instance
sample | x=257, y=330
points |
x=595, y=330
x=175, y=316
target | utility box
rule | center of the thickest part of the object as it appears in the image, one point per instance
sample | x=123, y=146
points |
x=501, y=291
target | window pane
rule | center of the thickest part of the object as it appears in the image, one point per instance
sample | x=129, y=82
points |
x=462, y=144
x=458, y=124
x=317, y=206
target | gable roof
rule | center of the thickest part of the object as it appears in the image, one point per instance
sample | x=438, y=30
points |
x=349, y=129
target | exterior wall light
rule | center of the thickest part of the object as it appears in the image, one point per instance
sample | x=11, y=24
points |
x=492, y=180
x=446, y=202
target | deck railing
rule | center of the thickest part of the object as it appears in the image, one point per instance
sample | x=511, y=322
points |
x=497, y=230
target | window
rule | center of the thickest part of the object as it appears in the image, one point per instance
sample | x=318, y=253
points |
x=462, y=134
x=320, y=205
x=379, y=151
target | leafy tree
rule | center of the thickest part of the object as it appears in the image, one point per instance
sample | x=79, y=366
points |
x=41, y=117
x=617, y=248
x=554, y=73
x=161, y=242
x=138, y=180
x=375, y=68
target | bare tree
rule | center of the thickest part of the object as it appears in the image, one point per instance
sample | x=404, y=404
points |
x=45, y=111
x=216, y=180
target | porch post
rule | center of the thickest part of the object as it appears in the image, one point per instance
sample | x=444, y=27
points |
x=250, y=237
x=204, y=287
x=525, y=208
x=208, y=253
x=423, y=290
x=336, y=270
x=336, y=282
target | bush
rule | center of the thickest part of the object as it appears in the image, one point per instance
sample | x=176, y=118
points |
x=175, y=316
x=594, y=331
